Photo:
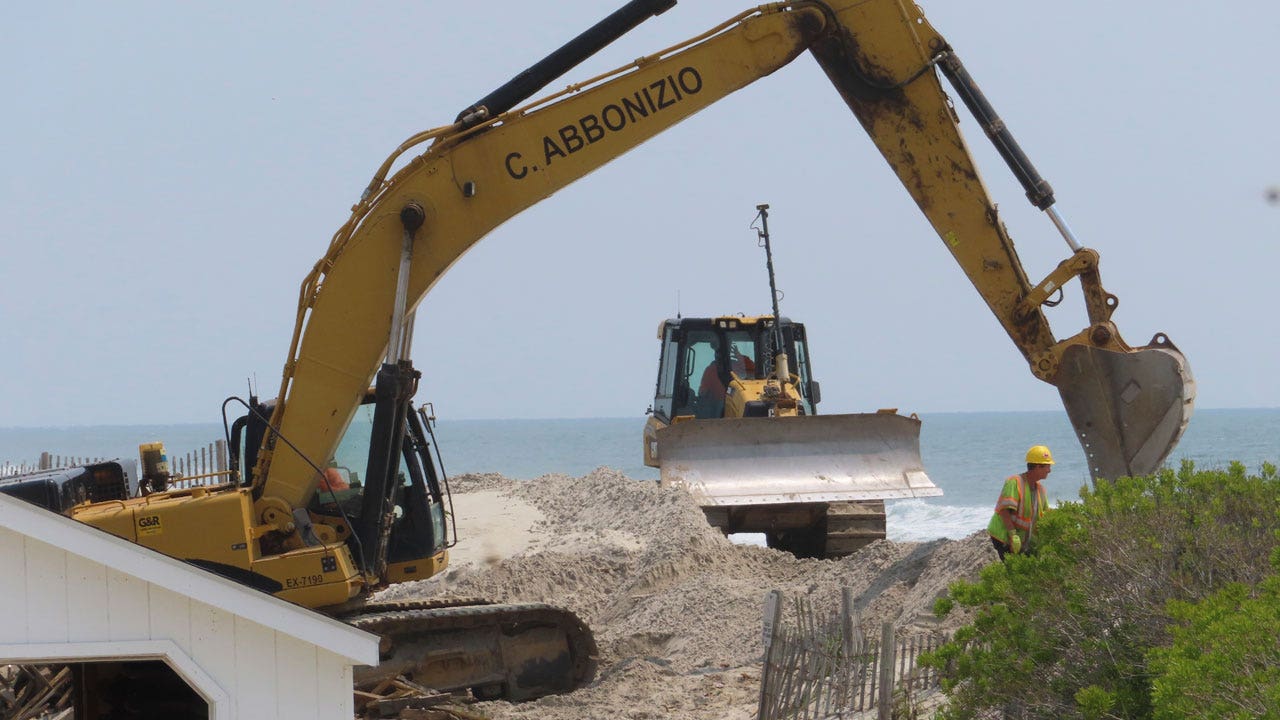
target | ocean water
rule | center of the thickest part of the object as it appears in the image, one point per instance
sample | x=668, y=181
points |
x=968, y=455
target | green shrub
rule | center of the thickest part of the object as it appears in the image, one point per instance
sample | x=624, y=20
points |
x=1071, y=630
x=1225, y=658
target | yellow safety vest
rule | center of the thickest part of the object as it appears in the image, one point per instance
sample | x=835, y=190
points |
x=1025, y=510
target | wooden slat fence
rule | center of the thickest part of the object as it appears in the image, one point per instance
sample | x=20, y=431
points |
x=820, y=666
x=206, y=465
x=47, y=461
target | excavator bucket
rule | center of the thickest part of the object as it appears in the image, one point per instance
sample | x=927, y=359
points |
x=804, y=459
x=1128, y=408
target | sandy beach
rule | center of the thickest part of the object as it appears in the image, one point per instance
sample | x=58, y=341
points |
x=496, y=526
x=675, y=606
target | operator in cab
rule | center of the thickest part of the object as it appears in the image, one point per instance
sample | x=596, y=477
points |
x=712, y=386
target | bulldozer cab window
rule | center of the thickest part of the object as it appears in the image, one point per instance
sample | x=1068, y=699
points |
x=798, y=349
x=702, y=375
x=665, y=398
x=741, y=355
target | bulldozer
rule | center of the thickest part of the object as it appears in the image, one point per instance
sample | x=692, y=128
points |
x=283, y=524
x=735, y=422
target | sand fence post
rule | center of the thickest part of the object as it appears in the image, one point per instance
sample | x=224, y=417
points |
x=772, y=623
x=850, y=623
x=885, y=704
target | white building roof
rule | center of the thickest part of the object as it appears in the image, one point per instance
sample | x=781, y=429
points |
x=77, y=538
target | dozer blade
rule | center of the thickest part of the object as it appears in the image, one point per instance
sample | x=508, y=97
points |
x=1128, y=408
x=805, y=459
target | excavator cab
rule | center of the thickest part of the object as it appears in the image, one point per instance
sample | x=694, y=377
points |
x=418, y=502
x=418, y=535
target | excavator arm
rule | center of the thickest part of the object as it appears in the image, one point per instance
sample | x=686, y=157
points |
x=1129, y=406
x=492, y=163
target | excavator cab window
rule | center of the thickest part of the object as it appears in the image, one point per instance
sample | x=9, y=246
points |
x=341, y=486
x=419, y=526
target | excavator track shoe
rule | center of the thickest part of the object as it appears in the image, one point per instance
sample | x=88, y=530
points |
x=512, y=651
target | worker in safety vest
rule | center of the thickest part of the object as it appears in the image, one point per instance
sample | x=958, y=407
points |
x=1022, y=502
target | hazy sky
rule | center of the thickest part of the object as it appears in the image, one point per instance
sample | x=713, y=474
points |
x=171, y=171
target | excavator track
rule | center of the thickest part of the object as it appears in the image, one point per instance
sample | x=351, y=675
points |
x=511, y=651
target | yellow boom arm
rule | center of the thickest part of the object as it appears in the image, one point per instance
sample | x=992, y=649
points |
x=473, y=177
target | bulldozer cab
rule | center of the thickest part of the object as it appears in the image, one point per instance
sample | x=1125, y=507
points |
x=700, y=357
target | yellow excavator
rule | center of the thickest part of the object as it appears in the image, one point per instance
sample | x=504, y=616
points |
x=735, y=422
x=284, y=526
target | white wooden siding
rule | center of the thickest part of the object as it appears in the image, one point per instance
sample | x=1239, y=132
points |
x=46, y=593
x=88, y=618
x=213, y=631
x=297, y=685
x=13, y=600
x=57, y=604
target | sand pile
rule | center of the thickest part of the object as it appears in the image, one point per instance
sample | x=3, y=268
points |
x=676, y=607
